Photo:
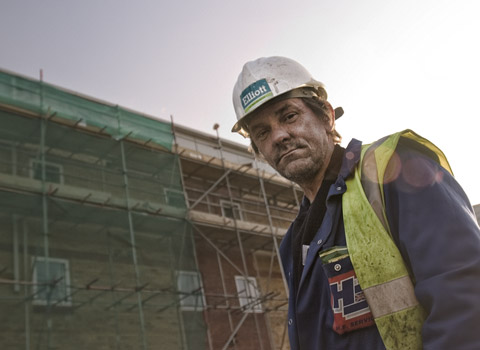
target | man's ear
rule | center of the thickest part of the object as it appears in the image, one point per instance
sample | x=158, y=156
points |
x=331, y=115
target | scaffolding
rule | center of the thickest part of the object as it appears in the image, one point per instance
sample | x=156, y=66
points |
x=246, y=240
x=118, y=234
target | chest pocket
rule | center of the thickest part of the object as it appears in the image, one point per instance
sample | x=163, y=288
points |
x=348, y=303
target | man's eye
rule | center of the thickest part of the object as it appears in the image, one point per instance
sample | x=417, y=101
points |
x=290, y=116
x=261, y=135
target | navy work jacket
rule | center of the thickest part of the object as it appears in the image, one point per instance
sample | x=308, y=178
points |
x=433, y=225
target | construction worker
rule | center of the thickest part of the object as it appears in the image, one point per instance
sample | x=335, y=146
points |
x=385, y=250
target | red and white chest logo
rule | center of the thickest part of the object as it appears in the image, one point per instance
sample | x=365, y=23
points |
x=350, y=309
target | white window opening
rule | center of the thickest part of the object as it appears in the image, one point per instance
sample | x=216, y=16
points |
x=190, y=291
x=53, y=171
x=51, y=278
x=231, y=210
x=248, y=294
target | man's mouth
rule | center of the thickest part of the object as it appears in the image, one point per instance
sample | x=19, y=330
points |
x=285, y=154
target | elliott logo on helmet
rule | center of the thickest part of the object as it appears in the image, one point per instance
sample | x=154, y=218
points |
x=255, y=93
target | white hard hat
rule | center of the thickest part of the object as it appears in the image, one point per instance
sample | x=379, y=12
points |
x=266, y=78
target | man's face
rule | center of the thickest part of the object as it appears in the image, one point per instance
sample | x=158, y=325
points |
x=293, y=140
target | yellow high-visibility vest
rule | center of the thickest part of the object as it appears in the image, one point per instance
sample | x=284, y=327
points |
x=378, y=264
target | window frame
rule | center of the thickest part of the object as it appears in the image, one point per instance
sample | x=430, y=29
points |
x=67, y=300
x=182, y=299
x=244, y=299
x=33, y=161
x=166, y=191
x=233, y=206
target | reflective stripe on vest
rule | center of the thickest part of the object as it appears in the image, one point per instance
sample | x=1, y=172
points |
x=378, y=264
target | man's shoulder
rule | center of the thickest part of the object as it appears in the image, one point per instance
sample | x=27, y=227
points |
x=406, y=144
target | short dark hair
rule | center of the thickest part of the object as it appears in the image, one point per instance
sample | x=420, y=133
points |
x=321, y=110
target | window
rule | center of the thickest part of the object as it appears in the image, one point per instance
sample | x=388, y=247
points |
x=53, y=171
x=189, y=285
x=248, y=294
x=175, y=198
x=231, y=210
x=58, y=270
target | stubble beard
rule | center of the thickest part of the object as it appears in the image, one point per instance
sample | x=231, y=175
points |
x=302, y=173
x=304, y=169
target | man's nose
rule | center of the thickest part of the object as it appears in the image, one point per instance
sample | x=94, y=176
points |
x=280, y=134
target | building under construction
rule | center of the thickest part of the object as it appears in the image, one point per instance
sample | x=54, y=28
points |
x=119, y=231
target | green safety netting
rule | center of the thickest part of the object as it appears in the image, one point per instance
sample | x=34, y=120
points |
x=103, y=217
x=40, y=97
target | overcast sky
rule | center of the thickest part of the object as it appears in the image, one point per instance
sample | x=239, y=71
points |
x=390, y=64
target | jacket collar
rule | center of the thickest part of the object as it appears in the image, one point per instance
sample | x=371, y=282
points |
x=351, y=158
